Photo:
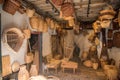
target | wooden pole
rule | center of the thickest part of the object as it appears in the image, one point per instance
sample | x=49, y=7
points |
x=40, y=53
x=0, y=52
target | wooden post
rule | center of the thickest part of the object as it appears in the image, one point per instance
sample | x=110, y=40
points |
x=40, y=52
x=0, y=52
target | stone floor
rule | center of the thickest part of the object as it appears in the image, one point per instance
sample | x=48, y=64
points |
x=82, y=73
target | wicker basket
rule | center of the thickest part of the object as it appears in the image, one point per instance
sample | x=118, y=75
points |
x=34, y=22
x=11, y=6
x=67, y=9
x=96, y=26
x=30, y=12
x=27, y=33
x=107, y=13
x=29, y=57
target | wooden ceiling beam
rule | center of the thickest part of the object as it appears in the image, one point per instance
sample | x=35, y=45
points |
x=86, y=2
x=39, y=11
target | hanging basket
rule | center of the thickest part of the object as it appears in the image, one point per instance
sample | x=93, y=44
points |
x=57, y=2
x=34, y=22
x=107, y=13
x=11, y=6
x=27, y=33
x=29, y=57
x=52, y=24
x=118, y=19
x=105, y=23
x=67, y=9
x=96, y=26
x=45, y=29
x=30, y=12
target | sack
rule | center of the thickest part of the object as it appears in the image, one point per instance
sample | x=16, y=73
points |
x=11, y=6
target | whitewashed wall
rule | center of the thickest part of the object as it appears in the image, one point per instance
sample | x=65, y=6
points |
x=9, y=20
x=46, y=44
x=20, y=20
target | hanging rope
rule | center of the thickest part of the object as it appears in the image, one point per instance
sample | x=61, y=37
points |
x=88, y=10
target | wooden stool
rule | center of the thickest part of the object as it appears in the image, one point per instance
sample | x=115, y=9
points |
x=53, y=65
x=69, y=65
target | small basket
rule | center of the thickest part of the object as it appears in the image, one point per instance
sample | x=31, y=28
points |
x=30, y=12
x=11, y=6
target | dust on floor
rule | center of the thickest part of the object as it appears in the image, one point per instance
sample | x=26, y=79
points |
x=82, y=73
